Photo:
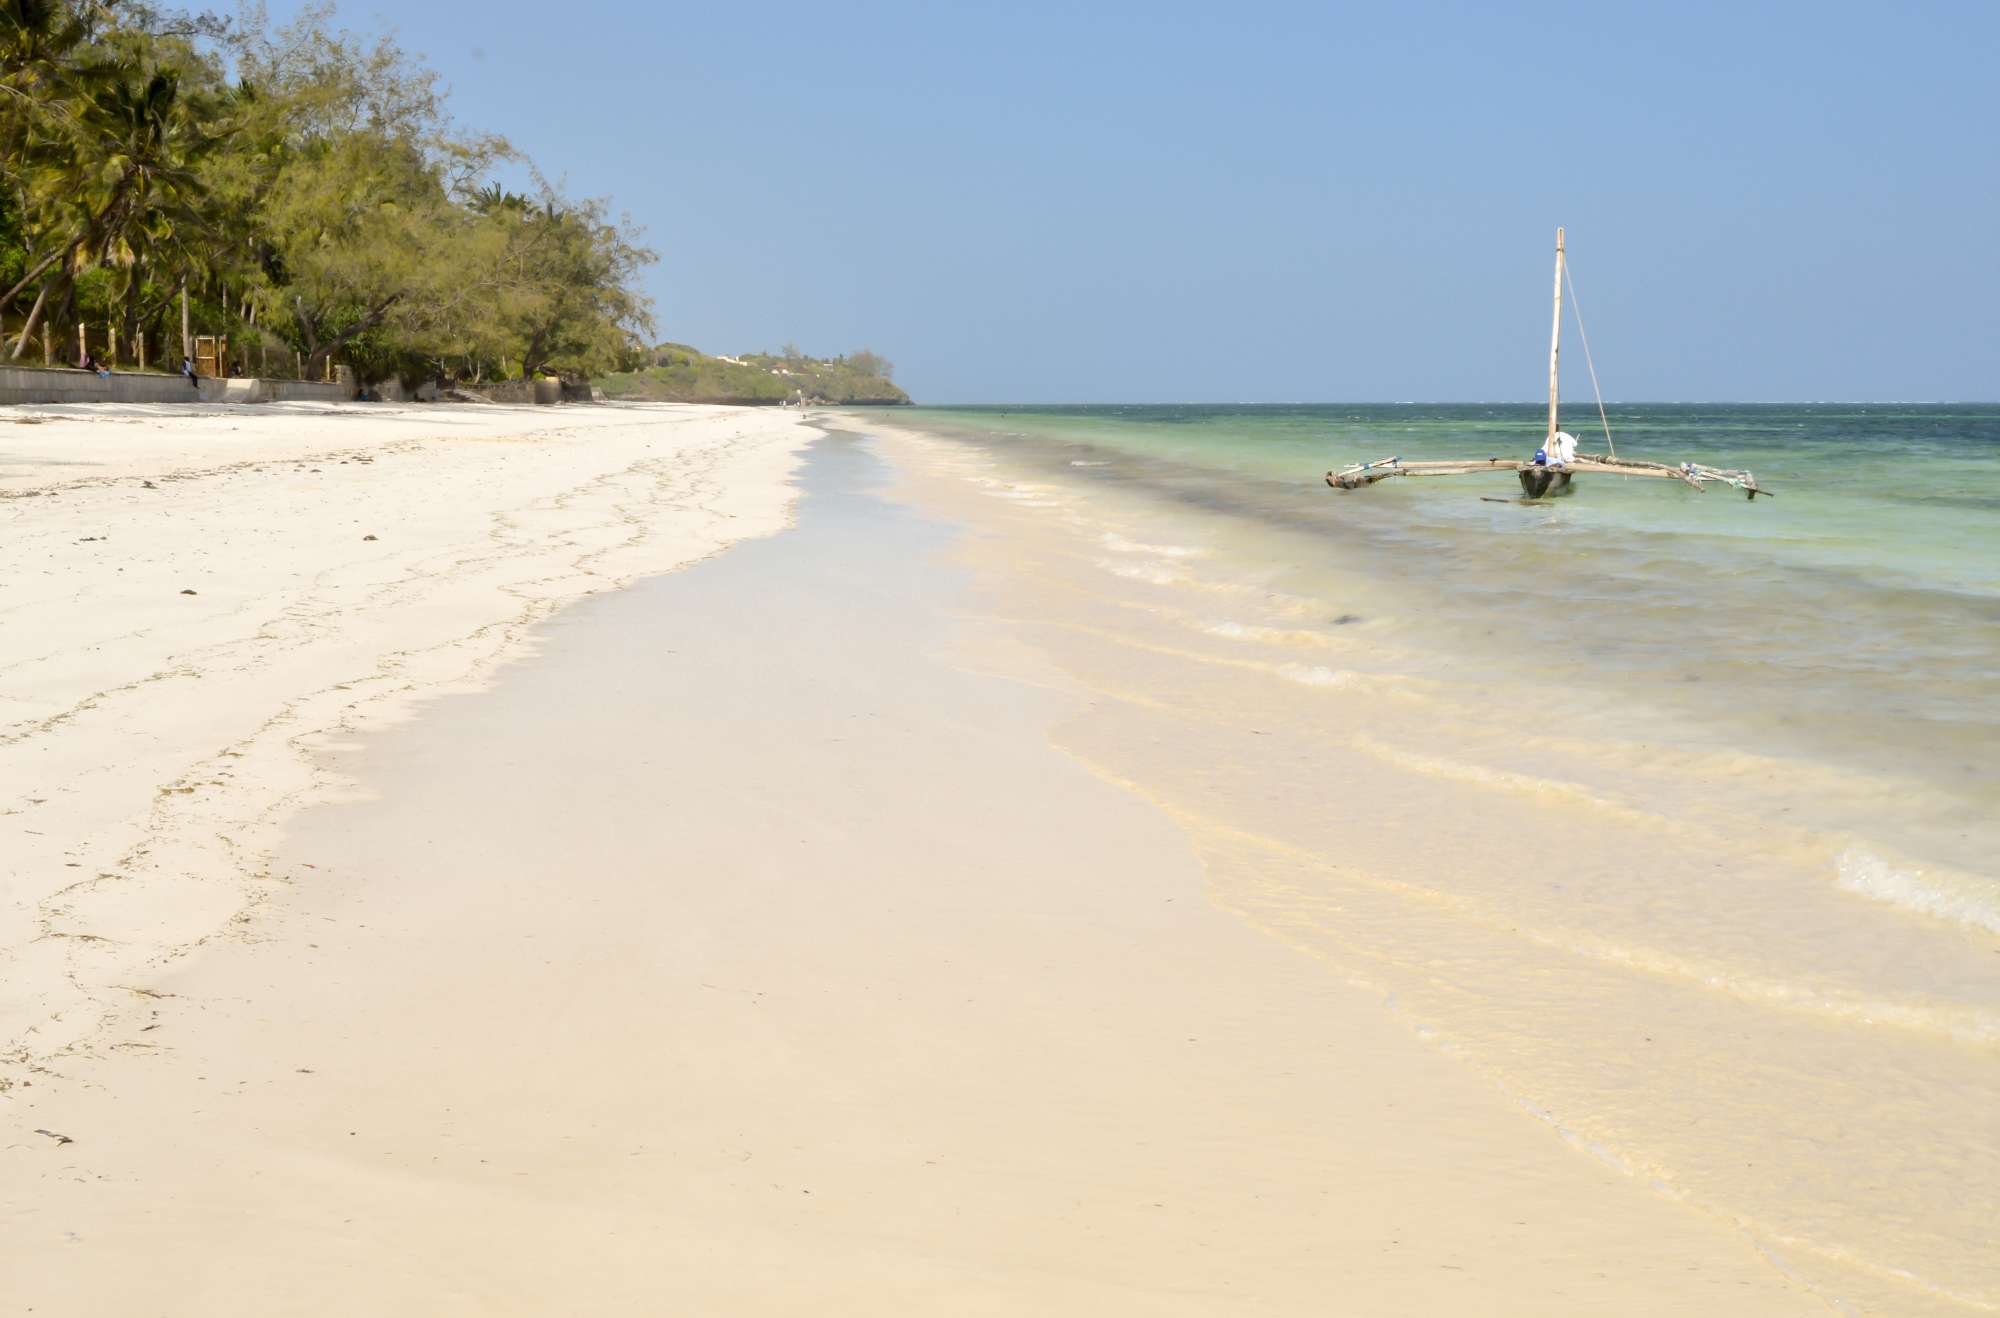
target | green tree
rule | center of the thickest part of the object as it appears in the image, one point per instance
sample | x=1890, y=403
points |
x=868, y=363
x=292, y=181
x=128, y=182
x=566, y=290
x=351, y=187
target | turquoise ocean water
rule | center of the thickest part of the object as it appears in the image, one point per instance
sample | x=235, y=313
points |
x=1852, y=621
x=1675, y=814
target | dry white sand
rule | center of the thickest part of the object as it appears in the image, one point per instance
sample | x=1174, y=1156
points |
x=748, y=951
x=190, y=598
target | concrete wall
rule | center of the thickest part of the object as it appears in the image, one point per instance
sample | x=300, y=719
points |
x=301, y=391
x=505, y=391
x=41, y=384
x=35, y=384
x=392, y=391
x=536, y=391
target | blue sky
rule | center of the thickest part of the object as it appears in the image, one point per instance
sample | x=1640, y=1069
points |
x=1278, y=202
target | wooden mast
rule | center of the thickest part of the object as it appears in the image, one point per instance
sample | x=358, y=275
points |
x=1555, y=339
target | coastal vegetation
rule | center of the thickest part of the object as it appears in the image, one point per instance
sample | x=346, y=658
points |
x=297, y=188
x=674, y=372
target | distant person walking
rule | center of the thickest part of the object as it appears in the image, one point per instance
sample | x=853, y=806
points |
x=187, y=369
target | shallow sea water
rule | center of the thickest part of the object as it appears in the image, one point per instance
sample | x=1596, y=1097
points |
x=1675, y=814
x=1852, y=622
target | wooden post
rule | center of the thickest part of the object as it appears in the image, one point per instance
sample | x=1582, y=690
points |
x=48, y=356
x=139, y=346
x=1555, y=336
x=187, y=344
x=82, y=342
x=111, y=337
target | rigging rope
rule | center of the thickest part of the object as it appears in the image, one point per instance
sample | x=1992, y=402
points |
x=1575, y=306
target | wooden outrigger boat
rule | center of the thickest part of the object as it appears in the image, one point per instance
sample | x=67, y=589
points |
x=1550, y=476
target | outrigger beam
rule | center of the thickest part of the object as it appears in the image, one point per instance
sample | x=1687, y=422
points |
x=1690, y=473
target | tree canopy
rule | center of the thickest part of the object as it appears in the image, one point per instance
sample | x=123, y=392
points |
x=305, y=189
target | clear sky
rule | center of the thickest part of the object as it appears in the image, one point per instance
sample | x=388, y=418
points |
x=1243, y=202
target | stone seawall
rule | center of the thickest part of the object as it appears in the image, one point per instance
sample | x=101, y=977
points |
x=36, y=384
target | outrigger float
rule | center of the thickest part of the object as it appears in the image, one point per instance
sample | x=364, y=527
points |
x=1548, y=474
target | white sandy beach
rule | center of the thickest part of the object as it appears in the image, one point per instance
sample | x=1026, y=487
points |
x=191, y=598
x=748, y=947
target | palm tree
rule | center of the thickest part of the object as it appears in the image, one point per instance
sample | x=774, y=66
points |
x=493, y=199
x=35, y=36
x=36, y=104
x=130, y=183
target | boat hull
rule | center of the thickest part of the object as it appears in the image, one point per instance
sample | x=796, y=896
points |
x=1544, y=482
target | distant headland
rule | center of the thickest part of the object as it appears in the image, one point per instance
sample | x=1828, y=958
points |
x=677, y=373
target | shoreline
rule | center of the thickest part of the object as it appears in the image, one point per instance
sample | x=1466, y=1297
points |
x=750, y=946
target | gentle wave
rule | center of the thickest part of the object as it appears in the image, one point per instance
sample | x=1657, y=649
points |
x=1020, y=491
x=1506, y=780
x=1316, y=675
x=1243, y=631
x=1961, y=1022
x=1964, y=899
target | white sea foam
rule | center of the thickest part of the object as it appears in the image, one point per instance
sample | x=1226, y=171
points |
x=1028, y=496
x=1316, y=675
x=1968, y=899
x=1079, y=462
x=1119, y=544
x=1148, y=572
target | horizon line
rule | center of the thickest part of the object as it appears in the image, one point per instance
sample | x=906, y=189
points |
x=1479, y=402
